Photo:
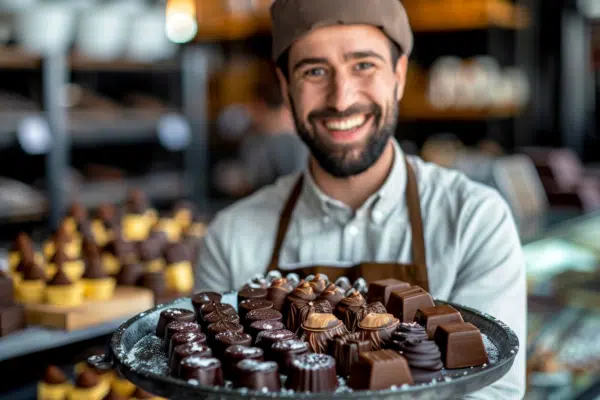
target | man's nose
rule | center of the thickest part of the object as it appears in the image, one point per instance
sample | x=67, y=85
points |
x=341, y=93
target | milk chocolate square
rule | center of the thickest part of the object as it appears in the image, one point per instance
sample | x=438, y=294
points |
x=432, y=317
x=381, y=290
x=403, y=304
x=12, y=319
x=379, y=370
x=461, y=345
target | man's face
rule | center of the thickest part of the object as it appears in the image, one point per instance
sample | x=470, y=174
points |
x=343, y=91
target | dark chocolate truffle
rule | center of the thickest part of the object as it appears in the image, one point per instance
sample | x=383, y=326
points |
x=258, y=375
x=312, y=373
x=172, y=314
x=185, y=337
x=225, y=339
x=236, y=353
x=266, y=339
x=251, y=293
x=253, y=304
x=174, y=327
x=202, y=298
x=206, y=371
x=266, y=314
x=259, y=326
x=285, y=351
x=54, y=376
x=185, y=350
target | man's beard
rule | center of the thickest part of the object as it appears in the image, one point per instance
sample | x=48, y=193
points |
x=341, y=161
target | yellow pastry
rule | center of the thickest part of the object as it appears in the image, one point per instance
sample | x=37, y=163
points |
x=30, y=290
x=170, y=227
x=88, y=387
x=21, y=245
x=135, y=227
x=54, y=386
x=100, y=233
x=116, y=253
x=196, y=230
x=180, y=277
x=70, y=243
x=122, y=387
x=73, y=267
x=76, y=217
x=184, y=214
x=97, y=285
x=61, y=291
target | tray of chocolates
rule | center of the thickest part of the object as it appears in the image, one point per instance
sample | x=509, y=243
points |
x=282, y=337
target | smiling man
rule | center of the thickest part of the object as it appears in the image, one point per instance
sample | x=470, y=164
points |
x=362, y=207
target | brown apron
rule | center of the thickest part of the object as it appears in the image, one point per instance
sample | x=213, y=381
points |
x=415, y=273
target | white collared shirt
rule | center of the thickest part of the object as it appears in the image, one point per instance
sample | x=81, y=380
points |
x=473, y=249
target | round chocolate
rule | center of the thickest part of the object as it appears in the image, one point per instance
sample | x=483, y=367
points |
x=205, y=371
x=185, y=337
x=266, y=339
x=258, y=375
x=176, y=327
x=253, y=304
x=185, y=350
x=202, y=298
x=220, y=327
x=216, y=317
x=285, y=351
x=54, y=376
x=172, y=314
x=251, y=293
x=224, y=340
x=236, y=353
x=223, y=308
x=409, y=331
x=312, y=373
x=257, y=327
x=266, y=314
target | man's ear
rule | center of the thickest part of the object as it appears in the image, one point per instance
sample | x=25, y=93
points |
x=400, y=72
x=283, y=86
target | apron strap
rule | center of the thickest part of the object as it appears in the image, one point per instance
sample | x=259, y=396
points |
x=414, y=214
x=284, y=222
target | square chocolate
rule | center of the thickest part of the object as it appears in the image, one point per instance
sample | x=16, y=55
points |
x=432, y=317
x=12, y=319
x=381, y=290
x=403, y=304
x=461, y=345
x=7, y=291
x=379, y=370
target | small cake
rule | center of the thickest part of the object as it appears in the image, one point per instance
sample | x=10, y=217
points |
x=432, y=317
x=31, y=288
x=347, y=308
x=202, y=298
x=185, y=337
x=332, y=294
x=61, y=291
x=277, y=293
x=461, y=345
x=224, y=340
x=87, y=387
x=206, y=371
x=380, y=370
x=265, y=314
x=172, y=314
x=404, y=303
x=283, y=352
x=423, y=357
x=174, y=327
x=318, y=328
x=312, y=373
x=151, y=256
x=257, y=327
x=97, y=285
x=253, y=304
x=129, y=273
x=183, y=214
x=318, y=284
x=258, y=375
x=179, y=272
x=185, y=350
x=54, y=385
x=378, y=329
x=116, y=253
x=74, y=267
x=267, y=339
x=251, y=293
x=345, y=349
x=236, y=353
x=380, y=290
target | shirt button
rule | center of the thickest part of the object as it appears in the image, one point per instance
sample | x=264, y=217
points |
x=377, y=216
x=353, y=230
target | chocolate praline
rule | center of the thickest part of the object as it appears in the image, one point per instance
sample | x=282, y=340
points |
x=332, y=294
x=206, y=371
x=277, y=293
x=253, y=304
x=224, y=340
x=185, y=350
x=257, y=327
x=423, y=356
x=172, y=314
x=266, y=314
x=378, y=329
x=185, y=337
x=312, y=373
x=266, y=339
x=285, y=351
x=223, y=308
x=202, y=298
x=251, y=293
x=258, y=375
x=174, y=327
x=236, y=353
x=318, y=328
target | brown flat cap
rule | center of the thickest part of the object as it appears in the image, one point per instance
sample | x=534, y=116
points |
x=294, y=18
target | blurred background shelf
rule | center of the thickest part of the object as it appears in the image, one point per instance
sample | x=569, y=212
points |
x=14, y=57
x=426, y=112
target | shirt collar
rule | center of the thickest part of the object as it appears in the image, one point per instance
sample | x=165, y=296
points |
x=389, y=196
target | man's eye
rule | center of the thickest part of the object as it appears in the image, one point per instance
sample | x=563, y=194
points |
x=363, y=65
x=315, y=72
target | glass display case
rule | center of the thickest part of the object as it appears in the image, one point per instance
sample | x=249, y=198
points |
x=563, y=276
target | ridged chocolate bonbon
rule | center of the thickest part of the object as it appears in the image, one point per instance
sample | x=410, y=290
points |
x=236, y=353
x=185, y=350
x=423, y=357
x=378, y=329
x=380, y=370
x=258, y=375
x=285, y=351
x=312, y=373
x=206, y=371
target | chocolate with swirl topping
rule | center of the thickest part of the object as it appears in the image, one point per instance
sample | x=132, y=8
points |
x=423, y=357
x=409, y=331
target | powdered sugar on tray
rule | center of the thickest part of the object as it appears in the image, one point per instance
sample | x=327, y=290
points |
x=492, y=350
x=148, y=355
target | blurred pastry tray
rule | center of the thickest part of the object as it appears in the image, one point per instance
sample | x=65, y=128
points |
x=578, y=289
x=126, y=301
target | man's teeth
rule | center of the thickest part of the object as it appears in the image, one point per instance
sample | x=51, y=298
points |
x=345, y=124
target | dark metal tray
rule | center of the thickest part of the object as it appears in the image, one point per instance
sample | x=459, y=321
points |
x=501, y=342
